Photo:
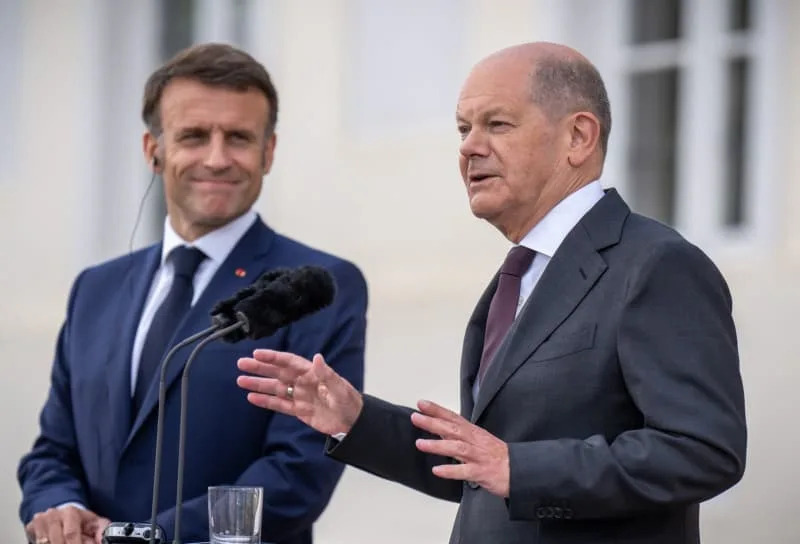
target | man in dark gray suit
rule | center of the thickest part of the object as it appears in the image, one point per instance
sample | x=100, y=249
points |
x=601, y=394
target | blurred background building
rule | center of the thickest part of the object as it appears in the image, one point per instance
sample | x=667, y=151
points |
x=704, y=96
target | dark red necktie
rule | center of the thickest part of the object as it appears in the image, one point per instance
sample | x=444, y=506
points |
x=503, y=308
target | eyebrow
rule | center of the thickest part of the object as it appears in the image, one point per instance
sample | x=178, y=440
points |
x=201, y=129
x=496, y=110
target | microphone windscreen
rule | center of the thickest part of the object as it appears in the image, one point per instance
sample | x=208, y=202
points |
x=286, y=299
x=223, y=313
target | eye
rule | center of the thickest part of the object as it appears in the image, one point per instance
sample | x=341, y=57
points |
x=240, y=138
x=191, y=137
x=499, y=124
x=463, y=130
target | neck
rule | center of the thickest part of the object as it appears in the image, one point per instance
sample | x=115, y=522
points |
x=191, y=231
x=552, y=194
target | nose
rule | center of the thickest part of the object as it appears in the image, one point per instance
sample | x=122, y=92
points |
x=474, y=144
x=217, y=156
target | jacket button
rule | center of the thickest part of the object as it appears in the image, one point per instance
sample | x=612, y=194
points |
x=558, y=513
x=549, y=511
x=568, y=513
x=540, y=513
x=473, y=485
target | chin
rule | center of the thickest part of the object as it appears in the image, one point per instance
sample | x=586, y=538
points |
x=482, y=209
x=218, y=218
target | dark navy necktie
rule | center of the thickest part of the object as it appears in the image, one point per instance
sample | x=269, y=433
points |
x=185, y=261
x=503, y=308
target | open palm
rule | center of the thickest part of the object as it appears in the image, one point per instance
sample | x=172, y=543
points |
x=293, y=385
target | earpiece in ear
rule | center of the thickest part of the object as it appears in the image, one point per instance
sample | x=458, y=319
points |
x=155, y=162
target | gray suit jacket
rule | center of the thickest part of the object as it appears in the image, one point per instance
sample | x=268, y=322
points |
x=617, y=390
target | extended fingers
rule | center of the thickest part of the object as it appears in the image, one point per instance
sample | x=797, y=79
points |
x=271, y=402
x=440, y=427
x=432, y=409
x=456, y=449
x=460, y=471
x=282, y=359
x=267, y=386
x=253, y=366
x=275, y=364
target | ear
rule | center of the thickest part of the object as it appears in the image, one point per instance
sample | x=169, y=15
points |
x=584, y=132
x=150, y=149
x=269, y=153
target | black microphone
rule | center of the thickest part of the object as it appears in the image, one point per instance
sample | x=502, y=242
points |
x=281, y=299
x=286, y=299
x=222, y=316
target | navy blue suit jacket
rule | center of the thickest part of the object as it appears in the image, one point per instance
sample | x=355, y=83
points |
x=92, y=450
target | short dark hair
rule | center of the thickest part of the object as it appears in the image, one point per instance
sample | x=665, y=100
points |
x=213, y=64
x=563, y=86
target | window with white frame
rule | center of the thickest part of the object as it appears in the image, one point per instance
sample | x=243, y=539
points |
x=692, y=87
x=660, y=58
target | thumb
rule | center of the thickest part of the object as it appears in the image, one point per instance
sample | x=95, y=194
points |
x=320, y=368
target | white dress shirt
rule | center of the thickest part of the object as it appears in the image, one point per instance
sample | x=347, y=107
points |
x=547, y=235
x=217, y=245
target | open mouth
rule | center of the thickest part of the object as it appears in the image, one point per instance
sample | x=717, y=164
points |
x=477, y=178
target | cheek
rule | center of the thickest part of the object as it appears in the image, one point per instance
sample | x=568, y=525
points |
x=181, y=164
x=251, y=162
x=462, y=166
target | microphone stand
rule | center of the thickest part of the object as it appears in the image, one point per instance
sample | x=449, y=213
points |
x=162, y=392
x=182, y=426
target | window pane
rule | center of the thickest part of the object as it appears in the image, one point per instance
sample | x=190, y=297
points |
x=740, y=15
x=738, y=72
x=241, y=12
x=655, y=20
x=177, y=24
x=651, y=156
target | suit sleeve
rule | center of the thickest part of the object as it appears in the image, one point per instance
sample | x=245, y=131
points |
x=382, y=442
x=297, y=477
x=678, y=355
x=51, y=474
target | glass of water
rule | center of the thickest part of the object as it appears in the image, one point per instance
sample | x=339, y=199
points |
x=234, y=514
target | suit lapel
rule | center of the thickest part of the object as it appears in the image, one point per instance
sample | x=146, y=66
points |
x=246, y=255
x=473, y=347
x=135, y=288
x=570, y=275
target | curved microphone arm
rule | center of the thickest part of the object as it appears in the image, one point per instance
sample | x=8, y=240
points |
x=162, y=392
x=182, y=428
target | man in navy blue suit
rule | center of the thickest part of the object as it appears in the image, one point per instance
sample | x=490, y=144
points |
x=210, y=114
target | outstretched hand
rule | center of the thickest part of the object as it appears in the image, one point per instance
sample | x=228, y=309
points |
x=483, y=457
x=310, y=391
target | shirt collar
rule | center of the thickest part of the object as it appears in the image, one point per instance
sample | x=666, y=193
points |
x=547, y=234
x=217, y=244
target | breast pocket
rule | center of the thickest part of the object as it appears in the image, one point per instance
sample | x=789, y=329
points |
x=566, y=342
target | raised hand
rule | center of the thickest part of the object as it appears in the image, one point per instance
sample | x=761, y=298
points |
x=293, y=385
